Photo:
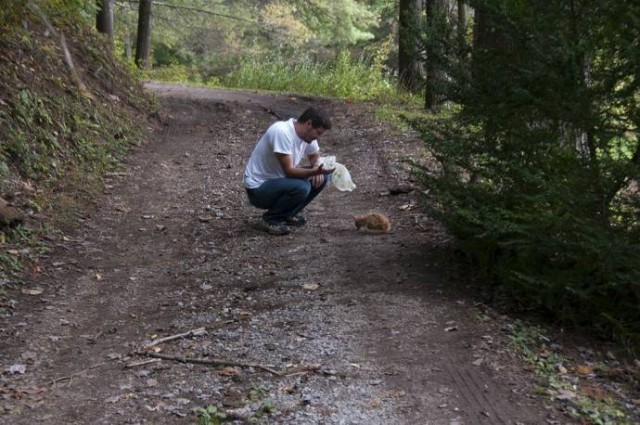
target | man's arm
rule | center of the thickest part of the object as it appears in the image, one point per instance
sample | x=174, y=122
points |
x=286, y=161
x=313, y=158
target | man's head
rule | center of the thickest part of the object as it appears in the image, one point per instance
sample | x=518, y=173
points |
x=312, y=124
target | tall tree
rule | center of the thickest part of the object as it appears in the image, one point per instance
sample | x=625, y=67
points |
x=104, y=19
x=434, y=79
x=408, y=27
x=143, y=42
x=462, y=17
x=540, y=168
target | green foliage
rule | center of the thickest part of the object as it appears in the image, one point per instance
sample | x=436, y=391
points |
x=339, y=22
x=56, y=141
x=10, y=14
x=201, y=29
x=537, y=172
x=534, y=347
x=339, y=77
x=179, y=74
x=21, y=247
x=210, y=415
x=43, y=144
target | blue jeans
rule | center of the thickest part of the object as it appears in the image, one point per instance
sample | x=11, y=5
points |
x=283, y=198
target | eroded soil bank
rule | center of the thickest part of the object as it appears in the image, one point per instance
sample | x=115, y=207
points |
x=341, y=327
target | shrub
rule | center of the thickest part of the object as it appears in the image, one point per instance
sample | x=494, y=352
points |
x=536, y=173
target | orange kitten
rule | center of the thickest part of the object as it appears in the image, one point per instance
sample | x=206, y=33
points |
x=374, y=222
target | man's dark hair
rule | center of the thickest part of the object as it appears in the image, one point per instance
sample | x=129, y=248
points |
x=318, y=118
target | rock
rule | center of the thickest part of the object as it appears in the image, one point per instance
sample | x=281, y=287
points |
x=9, y=216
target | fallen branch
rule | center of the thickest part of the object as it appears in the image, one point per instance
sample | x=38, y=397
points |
x=142, y=363
x=194, y=332
x=64, y=378
x=210, y=362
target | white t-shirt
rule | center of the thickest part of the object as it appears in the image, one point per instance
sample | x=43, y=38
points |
x=280, y=137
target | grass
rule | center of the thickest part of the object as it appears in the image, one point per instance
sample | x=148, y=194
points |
x=340, y=76
x=21, y=248
x=210, y=415
x=558, y=383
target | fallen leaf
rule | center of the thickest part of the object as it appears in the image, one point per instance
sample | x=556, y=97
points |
x=228, y=371
x=29, y=356
x=593, y=392
x=156, y=408
x=478, y=362
x=112, y=399
x=565, y=395
x=288, y=389
x=375, y=403
x=17, y=369
x=584, y=369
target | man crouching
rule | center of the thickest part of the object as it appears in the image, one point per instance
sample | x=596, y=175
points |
x=273, y=178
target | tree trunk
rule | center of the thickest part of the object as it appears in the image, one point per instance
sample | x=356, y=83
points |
x=408, y=65
x=127, y=45
x=143, y=42
x=434, y=77
x=462, y=17
x=104, y=19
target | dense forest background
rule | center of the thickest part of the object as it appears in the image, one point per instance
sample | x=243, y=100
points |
x=529, y=111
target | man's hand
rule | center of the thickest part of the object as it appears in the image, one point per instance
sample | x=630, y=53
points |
x=316, y=181
x=319, y=170
x=318, y=173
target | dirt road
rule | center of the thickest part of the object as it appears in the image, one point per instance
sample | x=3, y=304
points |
x=339, y=326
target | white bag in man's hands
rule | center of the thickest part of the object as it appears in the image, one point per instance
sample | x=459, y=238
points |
x=341, y=178
x=327, y=162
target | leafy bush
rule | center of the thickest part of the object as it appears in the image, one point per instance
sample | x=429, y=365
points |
x=537, y=174
x=340, y=77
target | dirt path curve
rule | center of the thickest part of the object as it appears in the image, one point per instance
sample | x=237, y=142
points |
x=369, y=329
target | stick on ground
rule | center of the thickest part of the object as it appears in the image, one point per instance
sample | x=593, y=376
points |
x=211, y=362
x=193, y=332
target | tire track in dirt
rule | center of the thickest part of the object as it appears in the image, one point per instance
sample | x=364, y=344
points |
x=472, y=387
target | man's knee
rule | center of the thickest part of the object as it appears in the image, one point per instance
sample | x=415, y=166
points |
x=325, y=182
x=301, y=189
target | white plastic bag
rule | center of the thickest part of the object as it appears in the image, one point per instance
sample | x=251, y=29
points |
x=328, y=162
x=341, y=178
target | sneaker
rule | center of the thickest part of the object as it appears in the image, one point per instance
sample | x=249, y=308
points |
x=297, y=220
x=280, y=229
